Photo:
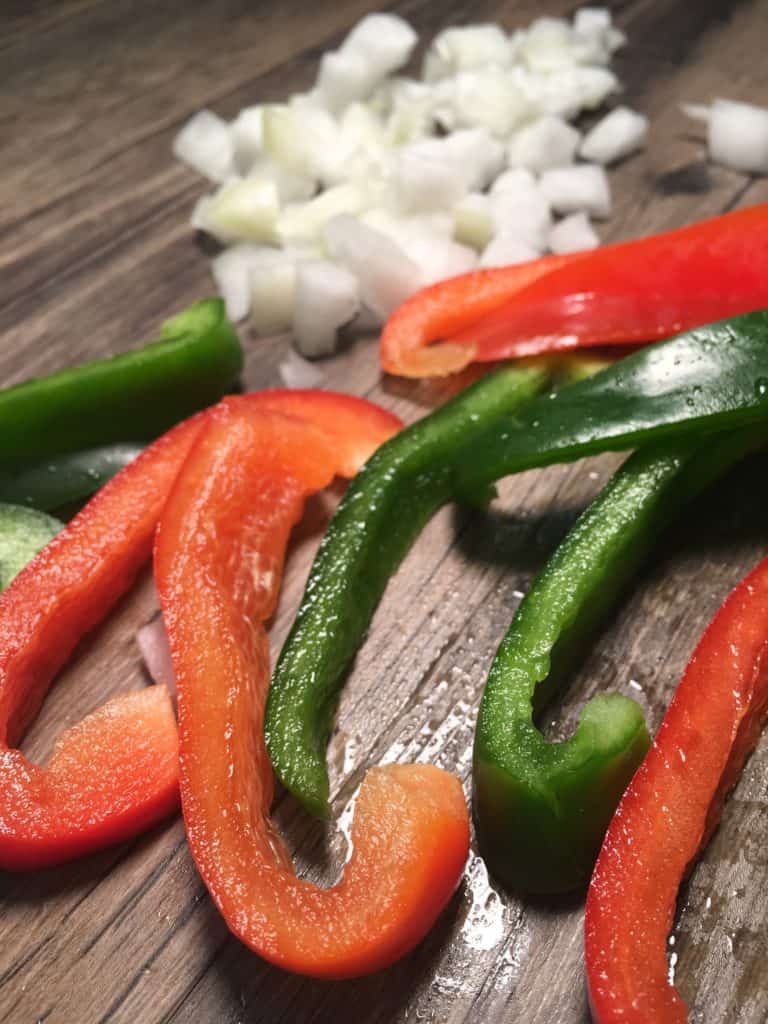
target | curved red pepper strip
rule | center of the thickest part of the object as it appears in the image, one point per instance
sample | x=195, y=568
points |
x=447, y=307
x=670, y=810
x=630, y=292
x=218, y=561
x=116, y=772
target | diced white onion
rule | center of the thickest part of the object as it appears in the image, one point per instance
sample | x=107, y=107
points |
x=273, y=295
x=243, y=209
x=297, y=372
x=308, y=220
x=344, y=78
x=524, y=215
x=516, y=179
x=466, y=49
x=327, y=297
x=547, y=142
x=423, y=185
x=386, y=275
x=505, y=250
x=615, y=136
x=439, y=258
x=738, y=136
x=155, y=652
x=547, y=45
x=572, y=234
x=232, y=270
x=581, y=187
x=568, y=91
x=384, y=41
x=490, y=99
x=247, y=138
x=205, y=143
x=473, y=220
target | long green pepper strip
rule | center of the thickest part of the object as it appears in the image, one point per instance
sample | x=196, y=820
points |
x=130, y=397
x=384, y=509
x=707, y=380
x=541, y=808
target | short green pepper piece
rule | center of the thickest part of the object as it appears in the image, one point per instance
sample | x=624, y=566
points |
x=64, y=480
x=541, y=808
x=705, y=381
x=131, y=397
x=23, y=532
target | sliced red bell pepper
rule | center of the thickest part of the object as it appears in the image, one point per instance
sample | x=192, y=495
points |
x=630, y=292
x=116, y=772
x=218, y=562
x=670, y=810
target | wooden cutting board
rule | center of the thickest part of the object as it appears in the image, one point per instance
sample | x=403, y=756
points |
x=95, y=250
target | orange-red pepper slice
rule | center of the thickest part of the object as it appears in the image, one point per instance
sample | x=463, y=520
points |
x=218, y=562
x=670, y=810
x=116, y=772
x=629, y=292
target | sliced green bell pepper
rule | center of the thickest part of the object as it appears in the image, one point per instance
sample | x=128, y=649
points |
x=131, y=397
x=64, y=479
x=707, y=380
x=23, y=532
x=541, y=808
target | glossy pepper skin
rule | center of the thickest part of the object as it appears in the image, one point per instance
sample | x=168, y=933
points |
x=130, y=397
x=64, y=480
x=707, y=380
x=218, y=562
x=671, y=809
x=381, y=514
x=541, y=809
x=636, y=291
x=116, y=772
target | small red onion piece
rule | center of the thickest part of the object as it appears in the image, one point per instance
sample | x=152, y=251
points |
x=153, y=645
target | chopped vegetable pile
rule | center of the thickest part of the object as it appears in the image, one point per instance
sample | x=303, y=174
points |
x=344, y=200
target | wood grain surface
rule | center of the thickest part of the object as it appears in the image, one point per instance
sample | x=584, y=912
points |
x=95, y=250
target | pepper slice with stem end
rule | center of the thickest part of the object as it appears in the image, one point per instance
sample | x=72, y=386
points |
x=637, y=291
x=218, y=562
x=671, y=809
x=708, y=380
x=541, y=809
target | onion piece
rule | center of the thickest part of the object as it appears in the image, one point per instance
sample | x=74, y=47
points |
x=425, y=185
x=581, y=187
x=525, y=215
x=247, y=138
x=205, y=143
x=490, y=99
x=344, y=78
x=738, y=136
x=439, y=258
x=573, y=234
x=473, y=220
x=297, y=372
x=505, y=250
x=547, y=45
x=516, y=179
x=245, y=209
x=384, y=41
x=232, y=271
x=308, y=220
x=548, y=142
x=273, y=294
x=569, y=91
x=467, y=48
x=327, y=297
x=697, y=111
x=386, y=275
x=615, y=136
x=153, y=645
